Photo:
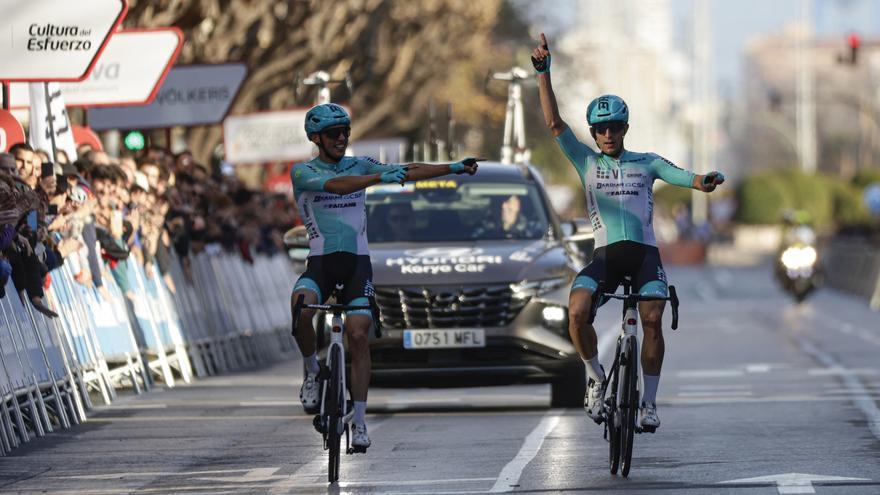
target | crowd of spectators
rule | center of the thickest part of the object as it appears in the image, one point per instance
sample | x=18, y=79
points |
x=97, y=214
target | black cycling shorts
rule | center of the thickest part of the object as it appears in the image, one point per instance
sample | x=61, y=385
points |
x=352, y=274
x=613, y=262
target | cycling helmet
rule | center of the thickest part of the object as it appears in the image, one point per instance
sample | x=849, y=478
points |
x=607, y=108
x=325, y=115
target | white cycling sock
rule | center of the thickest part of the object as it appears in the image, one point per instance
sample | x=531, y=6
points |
x=360, y=411
x=312, y=365
x=651, y=384
x=594, y=369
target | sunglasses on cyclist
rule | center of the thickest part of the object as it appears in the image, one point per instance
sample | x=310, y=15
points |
x=335, y=132
x=615, y=126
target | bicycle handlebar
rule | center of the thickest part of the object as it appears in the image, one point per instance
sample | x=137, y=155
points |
x=336, y=309
x=672, y=298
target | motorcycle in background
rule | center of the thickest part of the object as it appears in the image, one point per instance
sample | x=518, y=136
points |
x=797, y=266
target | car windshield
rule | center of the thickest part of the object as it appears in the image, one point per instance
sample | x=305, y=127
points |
x=448, y=210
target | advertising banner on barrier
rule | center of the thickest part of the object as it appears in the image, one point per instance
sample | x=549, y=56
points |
x=129, y=72
x=266, y=137
x=190, y=95
x=11, y=131
x=55, y=40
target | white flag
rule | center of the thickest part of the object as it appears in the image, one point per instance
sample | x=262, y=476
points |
x=45, y=110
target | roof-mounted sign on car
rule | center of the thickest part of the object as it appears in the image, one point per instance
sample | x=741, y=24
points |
x=55, y=40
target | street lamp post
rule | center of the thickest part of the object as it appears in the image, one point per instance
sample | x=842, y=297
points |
x=513, y=149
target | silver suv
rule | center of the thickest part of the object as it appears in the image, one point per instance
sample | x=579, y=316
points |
x=472, y=275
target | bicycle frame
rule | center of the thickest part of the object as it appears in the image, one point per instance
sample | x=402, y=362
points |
x=624, y=393
x=332, y=433
x=336, y=345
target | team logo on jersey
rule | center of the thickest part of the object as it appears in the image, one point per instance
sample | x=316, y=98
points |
x=605, y=172
x=373, y=160
x=667, y=161
x=369, y=290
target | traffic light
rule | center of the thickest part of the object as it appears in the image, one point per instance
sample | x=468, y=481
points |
x=134, y=141
x=853, y=41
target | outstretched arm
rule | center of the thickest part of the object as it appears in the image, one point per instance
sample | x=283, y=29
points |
x=676, y=176
x=421, y=171
x=307, y=178
x=541, y=61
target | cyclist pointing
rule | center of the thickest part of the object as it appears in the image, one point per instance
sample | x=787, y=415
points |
x=618, y=185
x=330, y=195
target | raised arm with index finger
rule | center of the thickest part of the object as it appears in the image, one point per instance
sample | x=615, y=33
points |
x=541, y=61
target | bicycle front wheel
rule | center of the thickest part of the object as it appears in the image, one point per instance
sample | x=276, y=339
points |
x=612, y=420
x=333, y=411
x=629, y=404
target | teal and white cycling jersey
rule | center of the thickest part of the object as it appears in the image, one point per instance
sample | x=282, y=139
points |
x=620, y=198
x=334, y=222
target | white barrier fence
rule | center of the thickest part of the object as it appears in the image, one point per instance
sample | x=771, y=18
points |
x=230, y=315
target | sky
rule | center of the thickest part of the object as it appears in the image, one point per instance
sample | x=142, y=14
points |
x=734, y=22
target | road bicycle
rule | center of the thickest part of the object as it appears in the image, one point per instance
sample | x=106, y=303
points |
x=333, y=419
x=623, y=396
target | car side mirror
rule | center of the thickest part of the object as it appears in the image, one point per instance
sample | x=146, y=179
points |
x=579, y=236
x=296, y=240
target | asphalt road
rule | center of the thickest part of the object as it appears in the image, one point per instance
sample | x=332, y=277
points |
x=758, y=396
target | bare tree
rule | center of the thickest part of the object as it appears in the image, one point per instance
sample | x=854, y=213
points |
x=400, y=53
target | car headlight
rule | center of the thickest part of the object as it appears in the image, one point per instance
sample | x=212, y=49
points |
x=555, y=317
x=528, y=289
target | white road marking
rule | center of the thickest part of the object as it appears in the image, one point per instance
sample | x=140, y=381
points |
x=509, y=476
x=267, y=403
x=731, y=393
x=862, y=398
x=792, y=483
x=145, y=419
x=251, y=476
x=719, y=373
x=113, y=476
x=132, y=406
x=715, y=387
x=758, y=368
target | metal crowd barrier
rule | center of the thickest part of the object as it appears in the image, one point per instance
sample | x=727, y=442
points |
x=853, y=265
x=229, y=315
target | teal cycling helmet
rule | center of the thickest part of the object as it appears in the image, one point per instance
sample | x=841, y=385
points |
x=607, y=108
x=325, y=115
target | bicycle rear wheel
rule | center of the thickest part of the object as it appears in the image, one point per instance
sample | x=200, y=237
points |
x=333, y=410
x=629, y=404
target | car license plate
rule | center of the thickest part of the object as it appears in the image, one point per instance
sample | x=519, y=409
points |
x=439, y=339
